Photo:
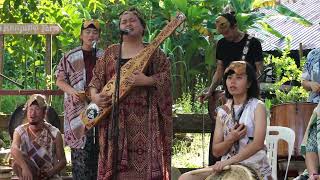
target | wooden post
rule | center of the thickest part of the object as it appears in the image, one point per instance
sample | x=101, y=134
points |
x=48, y=63
x=300, y=52
x=1, y=57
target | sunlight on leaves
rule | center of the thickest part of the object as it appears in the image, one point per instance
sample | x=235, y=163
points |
x=264, y=3
x=269, y=29
x=181, y=4
x=291, y=14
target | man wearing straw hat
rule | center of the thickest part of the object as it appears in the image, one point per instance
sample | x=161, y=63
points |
x=37, y=146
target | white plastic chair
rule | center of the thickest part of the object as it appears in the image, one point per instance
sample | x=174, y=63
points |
x=285, y=134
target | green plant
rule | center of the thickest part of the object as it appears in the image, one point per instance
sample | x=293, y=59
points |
x=188, y=152
x=188, y=103
x=5, y=137
x=191, y=48
x=286, y=73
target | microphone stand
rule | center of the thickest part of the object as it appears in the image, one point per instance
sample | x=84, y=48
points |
x=94, y=49
x=115, y=115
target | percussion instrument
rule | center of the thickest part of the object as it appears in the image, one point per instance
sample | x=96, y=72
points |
x=232, y=172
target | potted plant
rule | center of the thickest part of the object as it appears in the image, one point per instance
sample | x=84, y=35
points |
x=287, y=105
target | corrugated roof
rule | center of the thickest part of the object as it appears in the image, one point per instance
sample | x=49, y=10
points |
x=308, y=36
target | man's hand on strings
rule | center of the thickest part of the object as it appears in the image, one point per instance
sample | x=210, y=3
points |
x=140, y=79
x=78, y=96
x=75, y=95
x=101, y=100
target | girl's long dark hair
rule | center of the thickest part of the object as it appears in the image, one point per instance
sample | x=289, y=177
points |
x=253, y=90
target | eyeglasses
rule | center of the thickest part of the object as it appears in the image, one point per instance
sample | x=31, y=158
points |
x=239, y=67
x=94, y=22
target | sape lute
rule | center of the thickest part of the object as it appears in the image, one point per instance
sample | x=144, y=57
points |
x=93, y=114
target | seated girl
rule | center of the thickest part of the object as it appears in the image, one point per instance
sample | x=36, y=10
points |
x=241, y=124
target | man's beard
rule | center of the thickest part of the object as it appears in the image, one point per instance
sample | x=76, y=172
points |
x=34, y=123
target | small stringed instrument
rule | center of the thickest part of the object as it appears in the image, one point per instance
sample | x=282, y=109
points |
x=93, y=114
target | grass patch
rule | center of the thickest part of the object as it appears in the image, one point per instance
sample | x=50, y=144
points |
x=188, y=151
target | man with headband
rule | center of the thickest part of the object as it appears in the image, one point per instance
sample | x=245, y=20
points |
x=74, y=73
x=37, y=146
x=235, y=45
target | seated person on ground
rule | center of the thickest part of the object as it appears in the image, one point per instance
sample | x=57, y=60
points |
x=240, y=125
x=37, y=146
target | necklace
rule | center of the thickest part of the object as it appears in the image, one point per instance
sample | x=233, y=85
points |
x=234, y=117
x=236, y=120
x=34, y=134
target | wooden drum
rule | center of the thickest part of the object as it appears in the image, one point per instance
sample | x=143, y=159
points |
x=295, y=116
x=231, y=172
x=238, y=172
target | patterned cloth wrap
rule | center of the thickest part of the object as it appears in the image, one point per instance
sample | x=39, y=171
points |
x=71, y=70
x=39, y=152
x=145, y=123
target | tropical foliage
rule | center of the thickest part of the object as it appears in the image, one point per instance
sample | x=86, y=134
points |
x=191, y=48
x=287, y=78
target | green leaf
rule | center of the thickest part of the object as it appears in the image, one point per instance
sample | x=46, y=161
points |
x=162, y=4
x=60, y=2
x=263, y=3
x=210, y=54
x=193, y=12
x=37, y=63
x=181, y=4
x=241, y=6
x=269, y=29
x=293, y=15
